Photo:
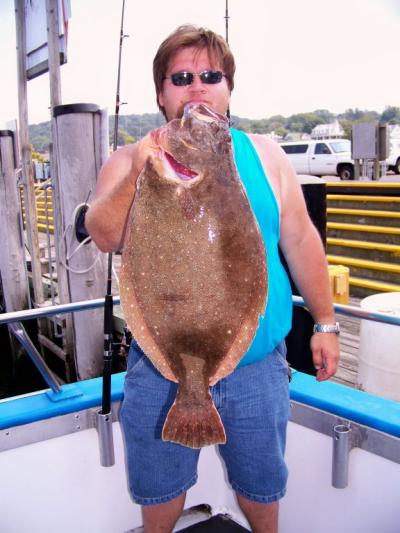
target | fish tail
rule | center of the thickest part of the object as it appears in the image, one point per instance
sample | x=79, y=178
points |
x=194, y=426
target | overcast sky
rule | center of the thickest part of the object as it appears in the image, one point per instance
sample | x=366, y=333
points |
x=292, y=56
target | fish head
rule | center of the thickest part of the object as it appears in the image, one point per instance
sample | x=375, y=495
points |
x=190, y=145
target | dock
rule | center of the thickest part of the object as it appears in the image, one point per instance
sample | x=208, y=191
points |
x=349, y=345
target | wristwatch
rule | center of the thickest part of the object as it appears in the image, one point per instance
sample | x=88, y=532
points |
x=327, y=328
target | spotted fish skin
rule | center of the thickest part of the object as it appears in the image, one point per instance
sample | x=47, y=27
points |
x=193, y=279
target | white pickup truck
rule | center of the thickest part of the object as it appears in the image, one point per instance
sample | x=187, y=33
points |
x=393, y=162
x=328, y=157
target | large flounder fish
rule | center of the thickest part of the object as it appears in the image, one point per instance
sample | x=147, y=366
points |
x=193, y=279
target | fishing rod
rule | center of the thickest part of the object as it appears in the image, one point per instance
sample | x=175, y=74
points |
x=108, y=304
x=122, y=36
x=105, y=416
x=226, y=21
x=228, y=111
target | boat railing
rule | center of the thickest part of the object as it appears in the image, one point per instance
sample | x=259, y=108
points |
x=14, y=321
x=73, y=307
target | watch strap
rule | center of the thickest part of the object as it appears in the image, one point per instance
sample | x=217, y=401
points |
x=327, y=328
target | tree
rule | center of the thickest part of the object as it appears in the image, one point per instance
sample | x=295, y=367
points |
x=391, y=115
x=359, y=115
x=325, y=115
x=281, y=131
x=123, y=137
x=347, y=126
x=303, y=122
x=36, y=156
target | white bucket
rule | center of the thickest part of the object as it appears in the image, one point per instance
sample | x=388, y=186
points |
x=379, y=351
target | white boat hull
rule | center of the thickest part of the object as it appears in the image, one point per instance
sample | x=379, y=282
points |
x=59, y=485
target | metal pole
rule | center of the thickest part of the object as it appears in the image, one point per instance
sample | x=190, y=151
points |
x=340, y=456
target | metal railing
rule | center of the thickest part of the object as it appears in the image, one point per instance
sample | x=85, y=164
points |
x=29, y=314
x=15, y=318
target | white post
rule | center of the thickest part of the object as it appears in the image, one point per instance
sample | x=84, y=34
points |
x=12, y=257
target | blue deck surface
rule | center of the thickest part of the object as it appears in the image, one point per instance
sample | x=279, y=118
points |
x=352, y=404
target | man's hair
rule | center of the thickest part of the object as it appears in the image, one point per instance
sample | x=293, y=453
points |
x=189, y=36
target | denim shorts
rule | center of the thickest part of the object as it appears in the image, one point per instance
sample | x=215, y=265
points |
x=253, y=403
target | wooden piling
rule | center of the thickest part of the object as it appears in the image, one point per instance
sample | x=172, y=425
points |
x=12, y=257
x=80, y=151
x=68, y=338
x=27, y=171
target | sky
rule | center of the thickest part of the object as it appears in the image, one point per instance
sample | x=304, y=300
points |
x=291, y=56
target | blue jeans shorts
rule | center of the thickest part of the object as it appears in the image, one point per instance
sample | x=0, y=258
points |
x=253, y=403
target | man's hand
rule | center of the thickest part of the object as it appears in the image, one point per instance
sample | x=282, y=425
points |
x=116, y=186
x=325, y=352
x=146, y=147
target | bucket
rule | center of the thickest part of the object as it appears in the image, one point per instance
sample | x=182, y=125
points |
x=379, y=351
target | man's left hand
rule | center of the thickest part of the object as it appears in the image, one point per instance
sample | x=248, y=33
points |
x=325, y=352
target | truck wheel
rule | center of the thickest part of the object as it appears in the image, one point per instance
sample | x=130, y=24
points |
x=346, y=172
x=396, y=167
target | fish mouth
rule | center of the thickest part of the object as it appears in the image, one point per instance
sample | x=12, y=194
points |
x=201, y=111
x=179, y=170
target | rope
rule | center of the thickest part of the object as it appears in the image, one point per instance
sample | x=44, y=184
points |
x=71, y=225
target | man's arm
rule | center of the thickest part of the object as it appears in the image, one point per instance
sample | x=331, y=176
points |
x=305, y=256
x=116, y=185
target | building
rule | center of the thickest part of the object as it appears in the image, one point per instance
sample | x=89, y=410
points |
x=327, y=131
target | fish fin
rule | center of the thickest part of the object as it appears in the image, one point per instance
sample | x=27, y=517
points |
x=194, y=426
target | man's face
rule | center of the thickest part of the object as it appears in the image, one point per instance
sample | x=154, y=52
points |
x=173, y=99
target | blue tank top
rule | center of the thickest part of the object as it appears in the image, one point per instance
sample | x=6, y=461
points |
x=277, y=320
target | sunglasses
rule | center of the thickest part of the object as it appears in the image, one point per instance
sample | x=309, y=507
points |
x=210, y=77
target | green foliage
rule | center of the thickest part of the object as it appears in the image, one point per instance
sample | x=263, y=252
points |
x=37, y=156
x=40, y=135
x=391, y=115
x=346, y=125
x=281, y=131
x=326, y=116
x=304, y=122
x=358, y=115
x=134, y=127
x=123, y=137
x=137, y=126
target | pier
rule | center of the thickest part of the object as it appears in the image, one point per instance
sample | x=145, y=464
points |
x=349, y=346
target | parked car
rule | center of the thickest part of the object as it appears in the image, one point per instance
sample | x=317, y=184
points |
x=328, y=157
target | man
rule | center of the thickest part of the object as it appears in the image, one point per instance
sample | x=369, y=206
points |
x=195, y=65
